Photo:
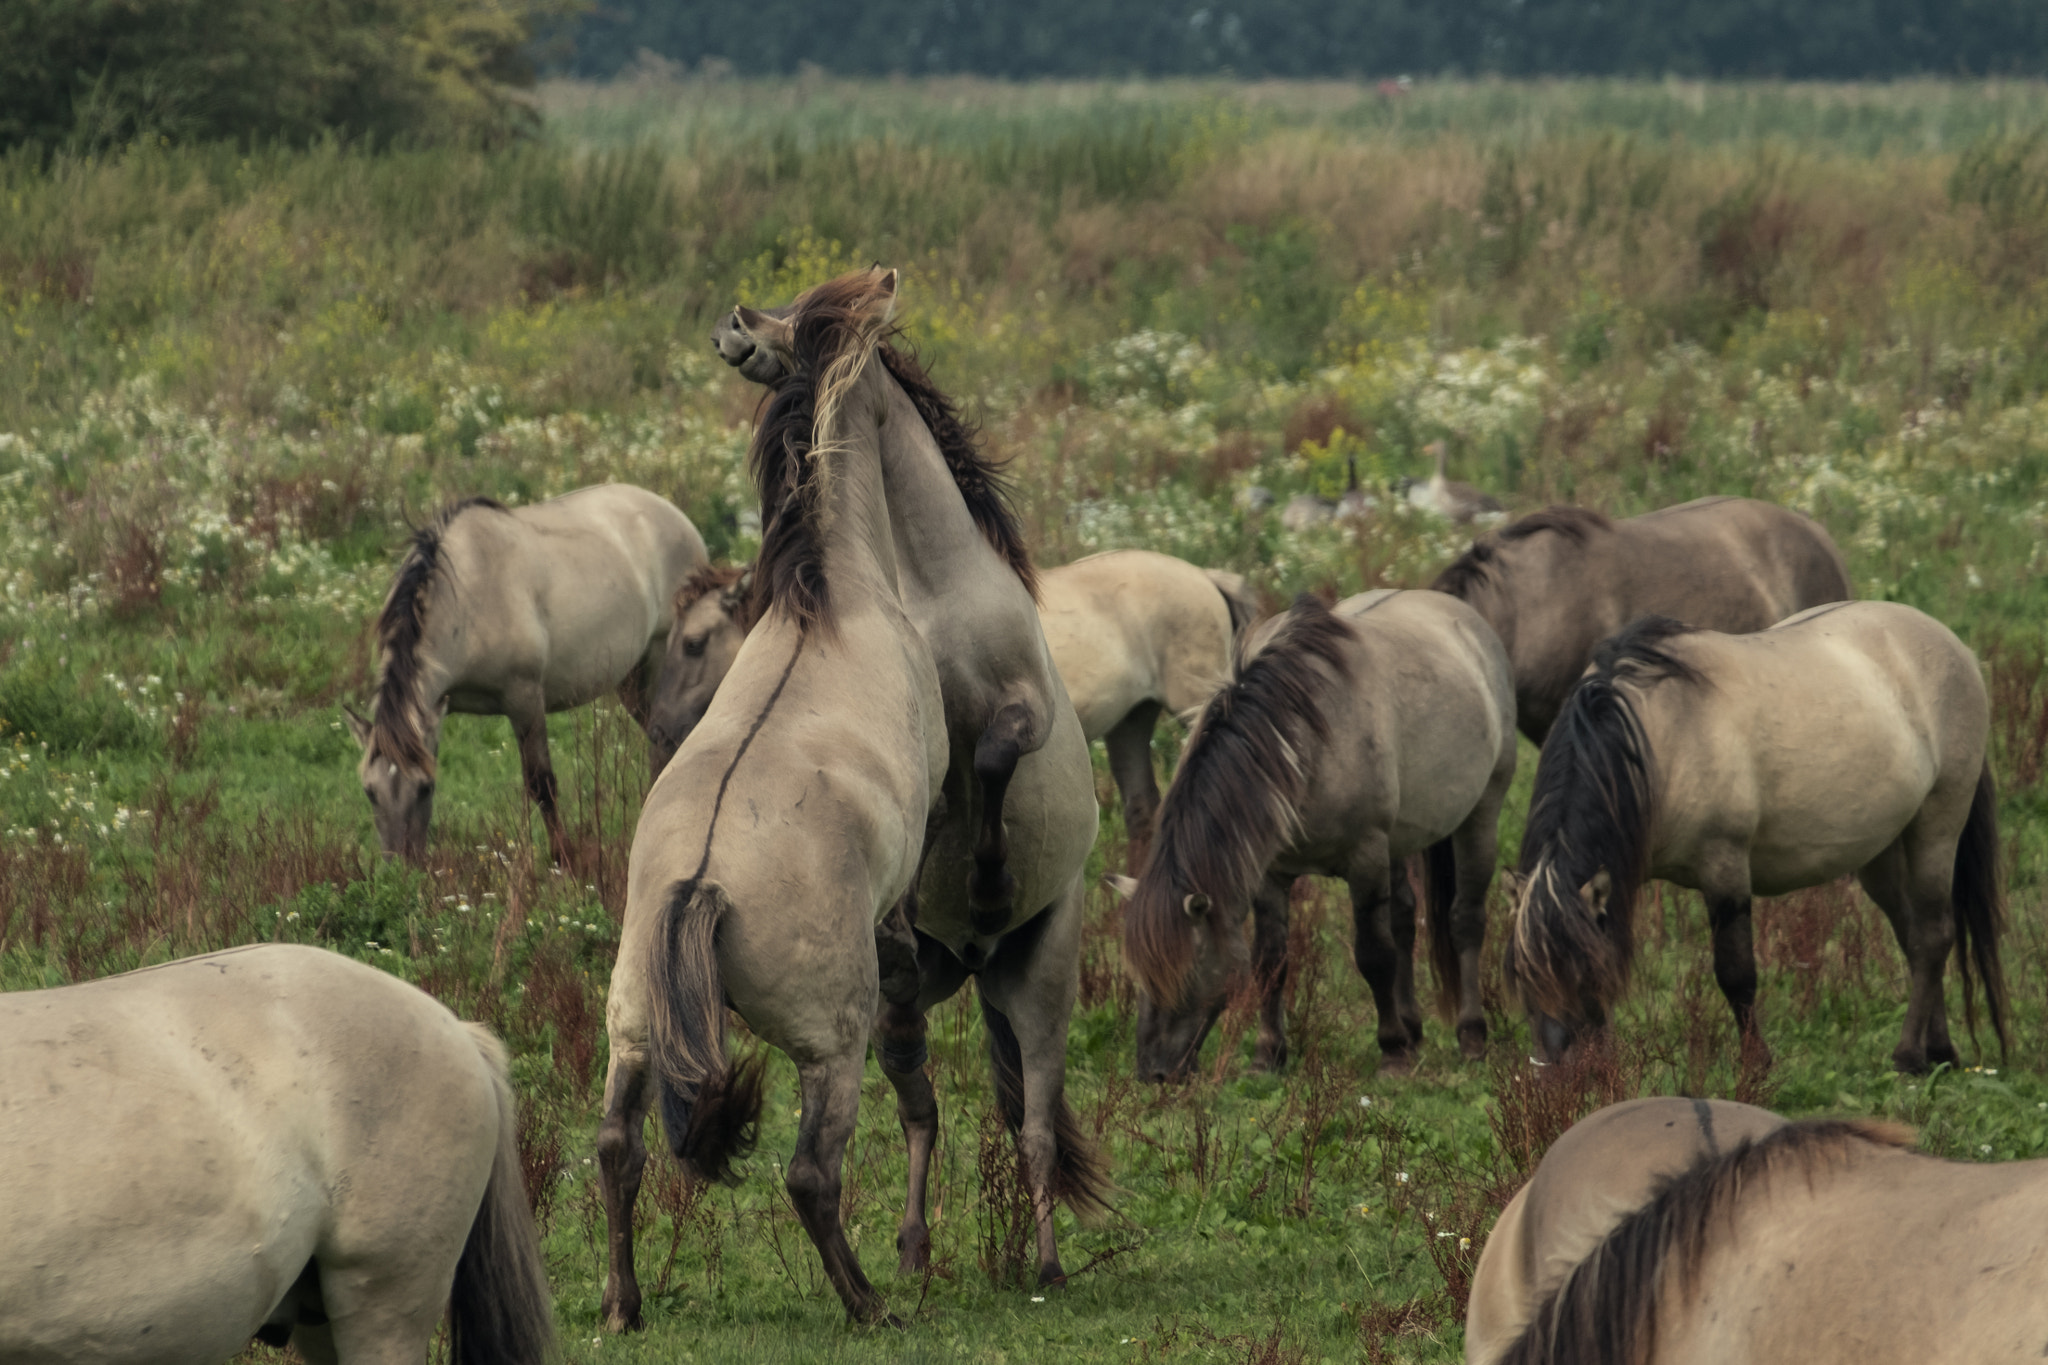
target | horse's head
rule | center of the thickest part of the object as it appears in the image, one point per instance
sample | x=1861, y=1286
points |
x=760, y=344
x=400, y=785
x=1560, y=956
x=1188, y=953
x=703, y=640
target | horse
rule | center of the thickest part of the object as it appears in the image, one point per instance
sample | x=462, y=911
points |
x=801, y=810
x=1847, y=738
x=1603, y=1168
x=1132, y=634
x=273, y=1143
x=1557, y=582
x=516, y=612
x=1346, y=740
x=1826, y=1240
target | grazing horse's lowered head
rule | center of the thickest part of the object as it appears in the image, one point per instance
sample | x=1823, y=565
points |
x=1231, y=806
x=397, y=773
x=710, y=625
x=1586, y=848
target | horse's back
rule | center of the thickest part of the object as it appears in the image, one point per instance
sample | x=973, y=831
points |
x=1601, y=1170
x=1429, y=716
x=1726, y=563
x=183, y=1140
x=1130, y=626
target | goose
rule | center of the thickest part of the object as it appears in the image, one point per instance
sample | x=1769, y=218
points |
x=1445, y=498
x=1356, y=502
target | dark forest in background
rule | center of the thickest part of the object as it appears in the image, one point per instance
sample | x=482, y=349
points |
x=1796, y=39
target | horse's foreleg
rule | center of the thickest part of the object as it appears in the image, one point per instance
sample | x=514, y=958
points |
x=1735, y=965
x=621, y=1156
x=900, y=1037
x=1129, y=743
x=831, y=1103
x=1269, y=964
x=1378, y=953
x=991, y=889
x=530, y=724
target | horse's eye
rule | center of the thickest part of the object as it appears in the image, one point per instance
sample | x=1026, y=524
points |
x=427, y=791
x=693, y=645
x=371, y=792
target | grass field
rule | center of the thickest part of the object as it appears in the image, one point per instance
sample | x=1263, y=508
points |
x=227, y=379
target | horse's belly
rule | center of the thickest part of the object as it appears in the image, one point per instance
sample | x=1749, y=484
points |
x=1825, y=840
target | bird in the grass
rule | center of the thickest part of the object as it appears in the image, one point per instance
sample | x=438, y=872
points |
x=1443, y=497
x=1356, y=502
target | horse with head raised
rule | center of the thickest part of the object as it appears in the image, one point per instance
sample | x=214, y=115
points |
x=1557, y=582
x=1133, y=635
x=272, y=1143
x=1848, y=738
x=799, y=811
x=1345, y=741
x=516, y=612
x=1681, y=1239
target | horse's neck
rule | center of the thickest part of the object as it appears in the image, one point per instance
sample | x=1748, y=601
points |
x=859, y=538
x=937, y=542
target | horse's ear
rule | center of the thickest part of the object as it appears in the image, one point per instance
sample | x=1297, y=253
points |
x=886, y=287
x=357, y=726
x=1596, y=893
x=765, y=329
x=735, y=595
x=1196, y=904
x=1126, y=887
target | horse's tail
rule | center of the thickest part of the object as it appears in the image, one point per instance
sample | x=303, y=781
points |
x=1078, y=1175
x=1238, y=599
x=1979, y=908
x=501, y=1309
x=1439, y=889
x=710, y=1108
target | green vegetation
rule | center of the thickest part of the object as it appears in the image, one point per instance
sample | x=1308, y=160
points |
x=229, y=377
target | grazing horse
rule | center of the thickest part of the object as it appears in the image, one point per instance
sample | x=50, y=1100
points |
x=1346, y=740
x=272, y=1142
x=516, y=612
x=1827, y=1241
x=1132, y=634
x=1557, y=582
x=799, y=811
x=1849, y=738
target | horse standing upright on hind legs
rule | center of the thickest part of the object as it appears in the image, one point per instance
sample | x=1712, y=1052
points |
x=1346, y=740
x=823, y=776
x=1557, y=582
x=517, y=612
x=1849, y=738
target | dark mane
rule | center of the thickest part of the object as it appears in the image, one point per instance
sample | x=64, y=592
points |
x=1605, y=1312
x=1472, y=569
x=1591, y=810
x=825, y=324
x=395, y=728
x=980, y=480
x=1233, y=802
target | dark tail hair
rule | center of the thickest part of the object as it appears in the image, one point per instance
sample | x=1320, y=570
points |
x=1439, y=889
x=1605, y=1312
x=501, y=1308
x=1078, y=1175
x=710, y=1108
x=1237, y=598
x=1979, y=908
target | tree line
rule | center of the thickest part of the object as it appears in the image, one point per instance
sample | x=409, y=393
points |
x=1793, y=39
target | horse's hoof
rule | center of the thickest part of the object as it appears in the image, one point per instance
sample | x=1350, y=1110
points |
x=913, y=1252
x=1050, y=1276
x=616, y=1321
x=1274, y=1061
x=1472, y=1041
x=1397, y=1061
x=1909, y=1061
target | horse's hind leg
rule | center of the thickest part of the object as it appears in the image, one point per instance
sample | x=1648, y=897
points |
x=621, y=1157
x=1027, y=995
x=1473, y=846
x=991, y=888
x=1269, y=966
x=831, y=1102
x=1913, y=892
x=1129, y=743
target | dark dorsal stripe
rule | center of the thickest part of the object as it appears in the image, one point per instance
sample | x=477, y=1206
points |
x=396, y=730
